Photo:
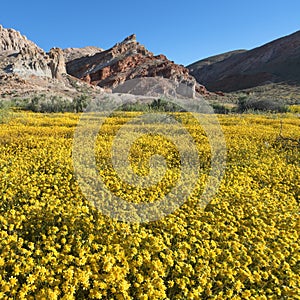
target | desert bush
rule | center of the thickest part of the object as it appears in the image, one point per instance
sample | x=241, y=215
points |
x=52, y=104
x=5, y=111
x=269, y=105
x=164, y=105
x=81, y=102
x=33, y=104
x=135, y=107
x=56, y=104
x=220, y=109
x=160, y=104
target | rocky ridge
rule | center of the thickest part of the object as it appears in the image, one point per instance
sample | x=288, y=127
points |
x=23, y=57
x=129, y=60
x=24, y=64
x=12, y=40
x=75, y=53
x=26, y=69
x=274, y=62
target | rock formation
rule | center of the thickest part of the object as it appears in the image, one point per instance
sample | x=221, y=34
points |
x=11, y=39
x=25, y=69
x=129, y=60
x=57, y=63
x=74, y=53
x=108, y=69
x=24, y=58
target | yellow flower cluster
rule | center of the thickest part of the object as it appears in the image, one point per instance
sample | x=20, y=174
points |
x=54, y=244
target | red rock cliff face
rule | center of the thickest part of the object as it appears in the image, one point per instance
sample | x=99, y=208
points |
x=129, y=60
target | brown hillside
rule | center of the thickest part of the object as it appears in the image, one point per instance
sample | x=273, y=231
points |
x=277, y=61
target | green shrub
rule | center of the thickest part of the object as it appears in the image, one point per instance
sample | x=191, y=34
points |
x=135, y=107
x=220, y=109
x=5, y=111
x=268, y=105
x=80, y=103
x=52, y=104
x=56, y=104
x=164, y=106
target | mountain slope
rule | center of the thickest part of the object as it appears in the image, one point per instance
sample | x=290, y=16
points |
x=277, y=61
x=213, y=59
x=129, y=60
x=23, y=57
x=75, y=53
x=26, y=69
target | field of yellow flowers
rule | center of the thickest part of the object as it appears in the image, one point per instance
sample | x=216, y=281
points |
x=54, y=244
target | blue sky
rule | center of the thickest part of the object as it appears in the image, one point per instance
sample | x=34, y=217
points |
x=185, y=31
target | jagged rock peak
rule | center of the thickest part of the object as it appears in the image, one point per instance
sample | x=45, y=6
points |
x=129, y=60
x=129, y=39
x=128, y=46
x=12, y=40
x=23, y=57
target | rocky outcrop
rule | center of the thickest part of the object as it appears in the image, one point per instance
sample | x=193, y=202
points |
x=20, y=56
x=155, y=87
x=75, y=53
x=29, y=61
x=277, y=61
x=129, y=60
x=109, y=69
x=12, y=40
x=57, y=63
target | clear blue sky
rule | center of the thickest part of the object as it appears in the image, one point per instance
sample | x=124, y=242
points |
x=185, y=31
